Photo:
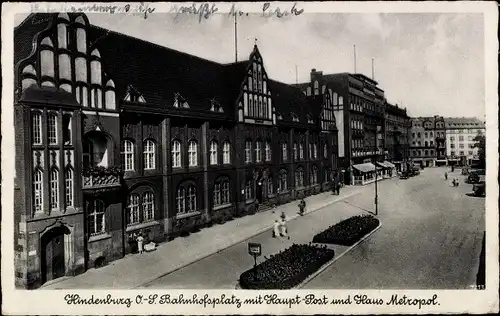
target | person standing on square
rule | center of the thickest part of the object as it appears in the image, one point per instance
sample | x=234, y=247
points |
x=140, y=240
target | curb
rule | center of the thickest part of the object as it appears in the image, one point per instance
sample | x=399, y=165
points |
x=261, y=231
x=328, y=264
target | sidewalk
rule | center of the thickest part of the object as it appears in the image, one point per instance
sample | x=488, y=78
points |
x=135, y=270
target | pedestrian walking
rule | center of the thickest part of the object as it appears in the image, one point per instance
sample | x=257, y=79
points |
x=256, y=206
x=302, y=206
x=140, y=240
x=338, y=188
x=283, y=227
x=457, y=182
x=446, y=175
x=276, y=229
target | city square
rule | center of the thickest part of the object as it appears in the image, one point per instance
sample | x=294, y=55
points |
x=430, y=238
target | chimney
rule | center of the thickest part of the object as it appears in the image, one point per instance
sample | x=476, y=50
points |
x=316, y=75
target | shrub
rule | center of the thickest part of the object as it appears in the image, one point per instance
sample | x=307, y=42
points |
x=347, y=232
x=287, y=268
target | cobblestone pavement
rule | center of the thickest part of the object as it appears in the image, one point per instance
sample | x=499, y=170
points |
x=172, y=259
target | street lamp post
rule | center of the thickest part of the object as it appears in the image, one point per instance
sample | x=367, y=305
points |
x=376, y=191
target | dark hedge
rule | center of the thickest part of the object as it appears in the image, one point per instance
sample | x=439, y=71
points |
x=347, y=232
x=287, y=268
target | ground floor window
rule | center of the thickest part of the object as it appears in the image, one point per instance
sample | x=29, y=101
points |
x=97, y=218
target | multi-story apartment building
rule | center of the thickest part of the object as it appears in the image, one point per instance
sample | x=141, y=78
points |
x=397, y=132
x=359, y=112
x=460, y=134
x=120, y=136
x=424, y=144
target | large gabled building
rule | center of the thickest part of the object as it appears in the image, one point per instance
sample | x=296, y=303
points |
x=117, y=136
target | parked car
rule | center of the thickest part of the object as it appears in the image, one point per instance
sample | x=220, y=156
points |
x=479, y=189
x=404, y=175
x=476, y=176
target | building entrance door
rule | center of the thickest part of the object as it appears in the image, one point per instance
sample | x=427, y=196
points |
x=52, y=260
x=258, y=194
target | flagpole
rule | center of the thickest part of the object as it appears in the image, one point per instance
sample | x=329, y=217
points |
x=354, y=58
x=235, y=38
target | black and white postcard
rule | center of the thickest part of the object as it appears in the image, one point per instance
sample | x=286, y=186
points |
x=249, y=158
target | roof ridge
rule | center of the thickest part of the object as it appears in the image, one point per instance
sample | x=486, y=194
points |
x=153, y=44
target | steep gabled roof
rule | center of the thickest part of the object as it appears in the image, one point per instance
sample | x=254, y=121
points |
x=289, y=99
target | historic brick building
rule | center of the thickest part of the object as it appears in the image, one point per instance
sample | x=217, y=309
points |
x=397, y=131
x=117, y=136
x=427, y=140
x=359, y=112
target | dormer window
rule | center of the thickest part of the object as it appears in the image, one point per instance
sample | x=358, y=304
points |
x=180, y=101
x=215, y=106
x=295, y=117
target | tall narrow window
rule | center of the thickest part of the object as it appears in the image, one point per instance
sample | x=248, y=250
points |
x=54, y=189
x=315, y=151
x=133, y=209
x=248, y=151
x=268, y=151
x=97, y=220
x=191, y=198
x=181, y=200
x=67, y=128
x=225, y=192
x=301, y=150
x=68, y=179
x=325, y=151
x=176, y=154
x=128, y=155
x=213, y=152
x=226, y=152
x=36, y=125
x=310, y=151
x=258, y=151
x=193, y=154
x=38, y=191
x=283, y=183
x=270, y=189
x=295, y=152
x=149, y=155
x=148, y=206
x=284, y=151
x=217, y=194
x=248, y=190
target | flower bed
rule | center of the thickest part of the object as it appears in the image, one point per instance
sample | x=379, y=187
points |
x=287, y=268
x=347, y=232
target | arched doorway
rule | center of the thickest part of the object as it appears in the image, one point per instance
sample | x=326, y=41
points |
x=53, y=253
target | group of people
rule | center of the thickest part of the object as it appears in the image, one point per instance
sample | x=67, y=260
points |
x=454, y=182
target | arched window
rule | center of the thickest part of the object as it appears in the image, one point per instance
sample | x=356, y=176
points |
x=299, y=177
x=248, y=151
x=268, y=151
x=315, y=151
x=148, y=206
x=316, y=87
x=193, y=153
x=128, y=155
x=245, y=103
x=180, y=200
x=250, y=86
x=258, y=151
x=301, y=150
x=217, y=194
x=213, y=152
x=426, y=135
x=133, y=209
x=221, y=193
x=36, y=125
x=295, y=152
x=97, y=220
x=110, y=95
x=270, y=188
x=284, y=151
x=310, y=151
x=62, y=36
x=64, y=67
x=38, y=191
x=68, y=180
x=81, y=40
x=95, y=72
x=191, y=198
x=81, y=69
x=419, y=135
x=226, y=153
x=426, y=143
x=149, y=155
x=52, y=129
x=176, y=154
x=54, y=188
x=250, y=106
x=283, y=181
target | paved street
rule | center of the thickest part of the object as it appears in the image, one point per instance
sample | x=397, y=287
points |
x=430, y=239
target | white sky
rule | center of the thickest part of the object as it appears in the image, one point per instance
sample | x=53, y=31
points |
x=433, y=64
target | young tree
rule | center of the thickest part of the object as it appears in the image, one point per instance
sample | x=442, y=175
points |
x=480, y=143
